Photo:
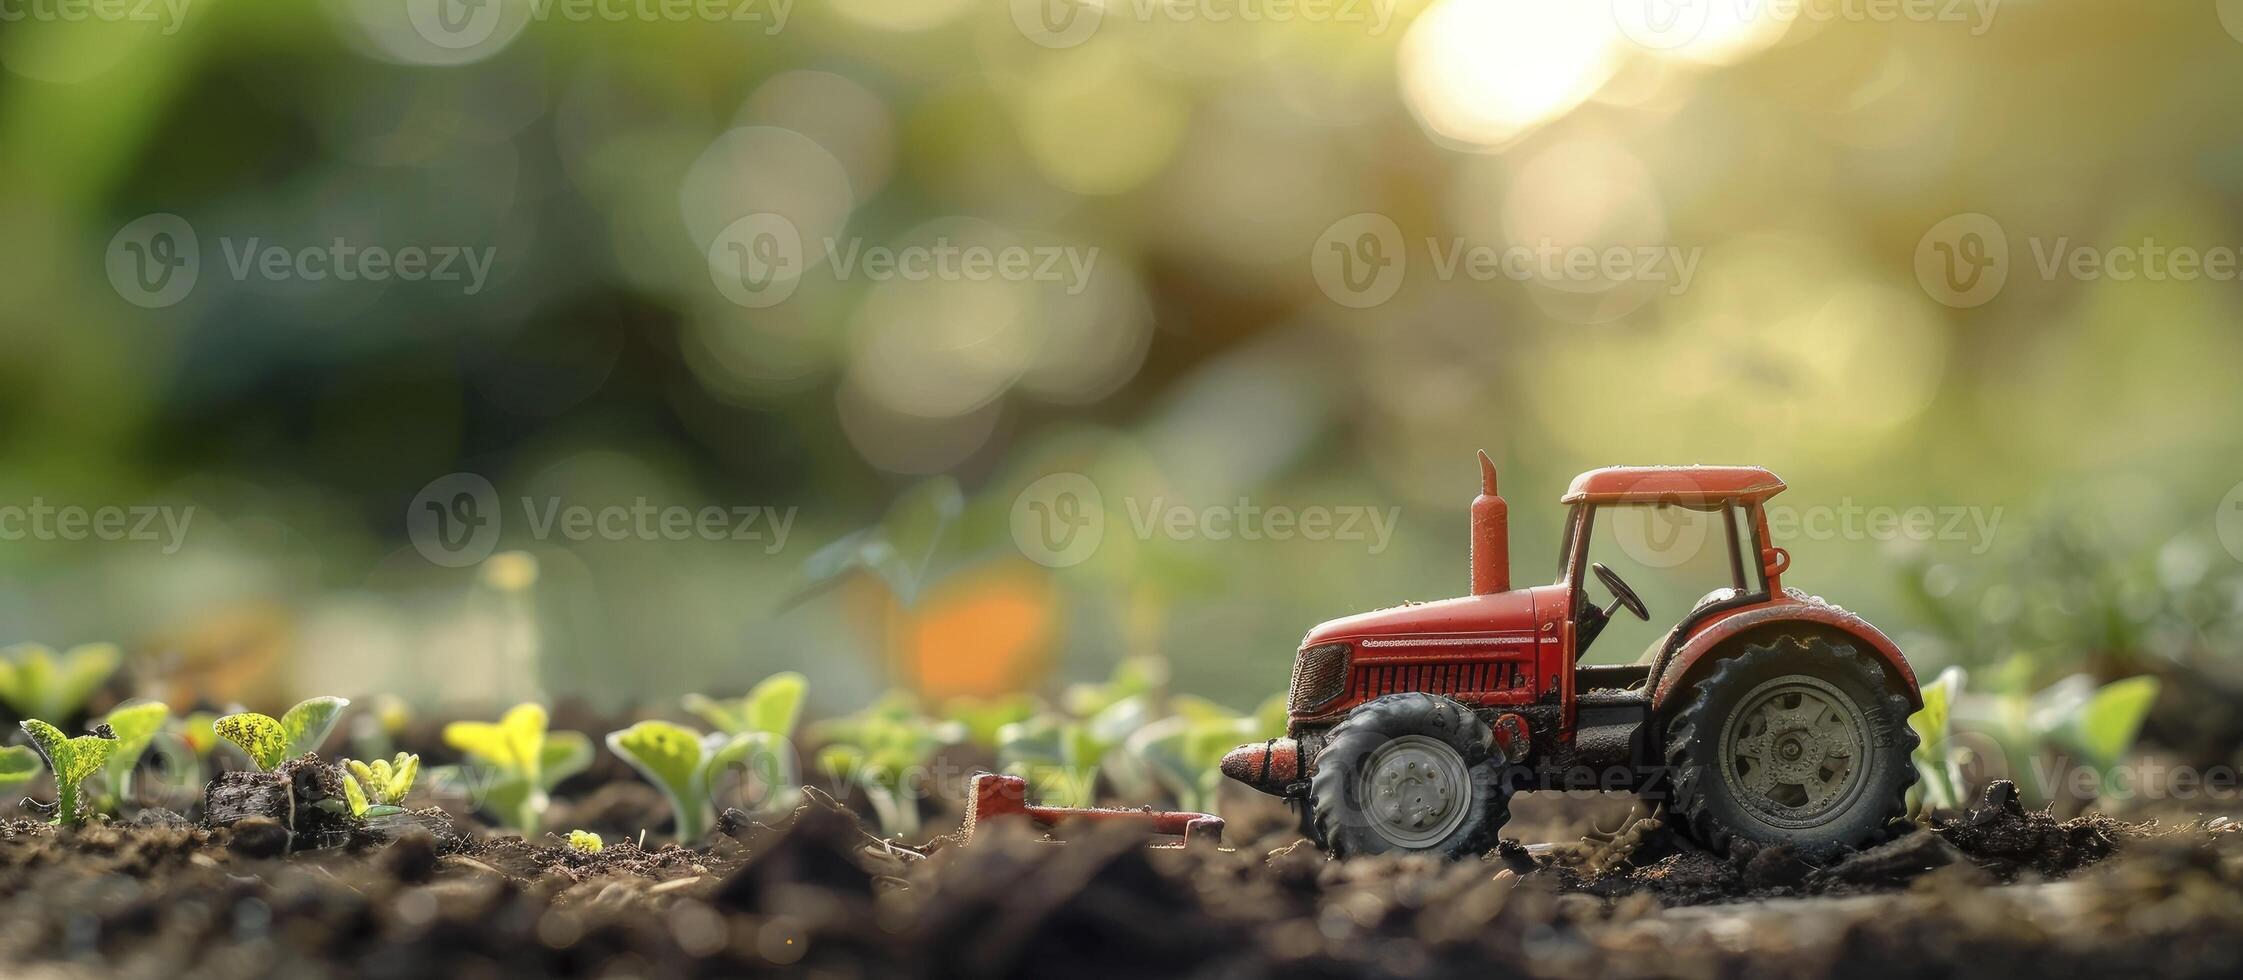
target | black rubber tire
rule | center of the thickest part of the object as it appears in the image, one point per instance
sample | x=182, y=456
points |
x=1338, y=815
x=1304, y=810
x=1703, y=805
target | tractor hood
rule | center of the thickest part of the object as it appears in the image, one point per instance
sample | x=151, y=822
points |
x=1504, y=611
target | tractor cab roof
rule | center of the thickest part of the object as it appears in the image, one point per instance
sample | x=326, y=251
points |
x=1672, y=485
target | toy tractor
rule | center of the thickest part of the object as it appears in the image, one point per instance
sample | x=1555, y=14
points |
x=1764, y=716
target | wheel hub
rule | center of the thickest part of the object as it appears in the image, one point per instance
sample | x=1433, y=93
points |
x=1795, y=751
x=1417, y=790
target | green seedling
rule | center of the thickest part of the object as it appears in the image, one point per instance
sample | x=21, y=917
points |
x=1057, y=756
x=136, y=725
x=2070, y=719
x=1185, y=751
x=387, y=781
x=984, y=719
x=271, y=743
x=528, y=760
x=765, y=718
x=18, y=765
x=586, y=842
x=36, y=683
x=377, y=788
x=1939, y=757
x=72, y=760
x=771, y=707
x=1063, y=755
x=884, y=749
x=685, y=765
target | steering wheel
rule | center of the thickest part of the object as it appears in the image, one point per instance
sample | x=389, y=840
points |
x=1621, y=594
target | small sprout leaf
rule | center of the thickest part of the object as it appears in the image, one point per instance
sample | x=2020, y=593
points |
x=774, y=704
x=670, y=757
x=386, y=782
x=1935, y=749
x=516, y=743
x=72, y=760
x=528, y=759
x=772, y=707
x=260, y=737
x=585, y=841
x=18, y=764
x=565, y=755
x=356, y=795
x=39, y=684
x=307, y=724
x=2113, y=716
x=135, y=725
x=724, y=716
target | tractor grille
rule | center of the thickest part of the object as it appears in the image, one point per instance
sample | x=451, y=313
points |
x=1319, y=675
x=1449, y=679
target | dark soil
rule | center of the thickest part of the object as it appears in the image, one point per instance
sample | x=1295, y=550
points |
x=161, y=897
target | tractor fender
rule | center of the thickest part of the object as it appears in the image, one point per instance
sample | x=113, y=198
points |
x=1797, y=608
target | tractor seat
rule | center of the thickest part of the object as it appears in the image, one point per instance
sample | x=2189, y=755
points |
x=1651, y=653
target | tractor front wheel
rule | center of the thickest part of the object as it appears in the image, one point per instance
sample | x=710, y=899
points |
x=1409, y=773
x=1797, y=741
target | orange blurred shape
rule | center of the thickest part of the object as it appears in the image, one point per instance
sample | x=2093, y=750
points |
x=226, y=654
x=979, y=632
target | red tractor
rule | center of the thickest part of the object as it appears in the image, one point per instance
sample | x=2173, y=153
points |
x=1765, y=715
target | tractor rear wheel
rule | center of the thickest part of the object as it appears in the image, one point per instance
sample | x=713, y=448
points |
x=1409, y=773
x=1798, y=741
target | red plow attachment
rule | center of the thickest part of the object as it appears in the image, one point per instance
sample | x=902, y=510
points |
x=994, y=795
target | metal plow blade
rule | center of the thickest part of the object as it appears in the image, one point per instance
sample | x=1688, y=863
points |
x=994, y=796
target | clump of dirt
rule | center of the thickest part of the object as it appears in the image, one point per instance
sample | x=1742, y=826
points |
x=2007, y=840
x=1996, y=837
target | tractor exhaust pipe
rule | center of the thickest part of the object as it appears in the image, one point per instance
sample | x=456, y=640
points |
x=1491, y=535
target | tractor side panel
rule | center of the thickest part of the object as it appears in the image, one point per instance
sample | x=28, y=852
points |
x=1798, y=608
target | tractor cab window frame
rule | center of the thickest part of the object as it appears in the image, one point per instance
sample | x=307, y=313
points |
x=1741, y=522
